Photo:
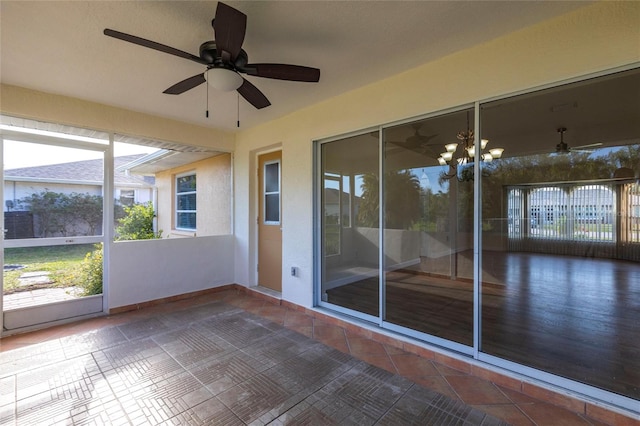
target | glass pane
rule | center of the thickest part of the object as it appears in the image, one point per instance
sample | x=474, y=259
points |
x=561, y=254
x=428, y=235
x=52, y=191
x=186, y=202
x=186, y=221
x=186, y=183
x=272, y=177
x=350, y=264
x=272, y=208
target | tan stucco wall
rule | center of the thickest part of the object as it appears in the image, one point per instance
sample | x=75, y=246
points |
x=25, y=103
x=592, y=39
x=213, y=197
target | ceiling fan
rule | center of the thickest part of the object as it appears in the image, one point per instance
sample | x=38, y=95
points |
x=225, y=60
x=563, y=148
x=417, y=142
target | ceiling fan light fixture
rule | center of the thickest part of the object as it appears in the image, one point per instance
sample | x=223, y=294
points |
x=223, y=79
x=496, y=152
x=451, y=147
x=471, y=151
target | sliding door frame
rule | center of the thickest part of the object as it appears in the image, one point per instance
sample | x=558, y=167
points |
x=473, y=352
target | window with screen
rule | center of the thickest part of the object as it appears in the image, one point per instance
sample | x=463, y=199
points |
x=186, y=202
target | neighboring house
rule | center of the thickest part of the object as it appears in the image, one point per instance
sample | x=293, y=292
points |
x=193, y=191
x=78, y=177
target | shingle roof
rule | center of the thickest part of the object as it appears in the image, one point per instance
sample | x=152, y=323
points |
x=82, y=171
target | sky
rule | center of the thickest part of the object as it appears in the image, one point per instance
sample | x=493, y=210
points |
x=23, y=154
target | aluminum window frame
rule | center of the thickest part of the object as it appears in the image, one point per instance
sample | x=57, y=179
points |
x=177, y=211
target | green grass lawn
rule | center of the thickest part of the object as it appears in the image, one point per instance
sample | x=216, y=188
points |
x=62, y=262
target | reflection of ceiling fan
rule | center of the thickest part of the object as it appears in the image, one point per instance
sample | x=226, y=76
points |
x=563, y=148
x=225, y=60
x=418, y=142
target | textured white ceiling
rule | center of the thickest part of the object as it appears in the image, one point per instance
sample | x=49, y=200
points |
x=59, y=47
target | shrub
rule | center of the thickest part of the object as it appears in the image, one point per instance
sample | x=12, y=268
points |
x=137, y=224
x=58, y=214
x=91, y=272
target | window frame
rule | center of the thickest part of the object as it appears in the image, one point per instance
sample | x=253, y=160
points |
x=266, y=193
x=177, y=194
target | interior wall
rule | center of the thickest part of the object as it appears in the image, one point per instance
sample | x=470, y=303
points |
x=592, y=39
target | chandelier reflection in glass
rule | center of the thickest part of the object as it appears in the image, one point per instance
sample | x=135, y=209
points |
x=468, y=150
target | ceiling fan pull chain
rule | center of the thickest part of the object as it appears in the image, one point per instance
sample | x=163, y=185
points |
x=225, y=60
x=238, y=110
x=207, y=114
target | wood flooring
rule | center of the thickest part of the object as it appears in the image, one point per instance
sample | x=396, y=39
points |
x=574, y=317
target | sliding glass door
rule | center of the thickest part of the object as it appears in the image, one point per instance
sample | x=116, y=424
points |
x=428, y=232
x=509, y=231
x=425, y=247
x=561, y=220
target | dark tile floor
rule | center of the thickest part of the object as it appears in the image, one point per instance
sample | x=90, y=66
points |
x=228, y=358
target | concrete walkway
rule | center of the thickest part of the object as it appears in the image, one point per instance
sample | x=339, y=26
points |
x=41, y=296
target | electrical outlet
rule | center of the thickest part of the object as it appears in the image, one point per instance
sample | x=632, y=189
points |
x=294, y=271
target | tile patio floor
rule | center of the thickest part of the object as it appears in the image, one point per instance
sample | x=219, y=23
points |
x=229, y=358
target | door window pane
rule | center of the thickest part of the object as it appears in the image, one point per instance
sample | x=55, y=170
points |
x=272, y=207
x=272, y=177
x=272, y=193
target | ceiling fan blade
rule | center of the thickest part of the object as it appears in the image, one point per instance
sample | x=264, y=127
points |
x=153, y=45
x=229, y=27
x=591, y=145
x=253, y=95
x=284, y=72
x=589, y=151
x=420, y=149
x=186, y=84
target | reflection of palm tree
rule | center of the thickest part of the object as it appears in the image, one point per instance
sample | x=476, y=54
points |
x=402, y=200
